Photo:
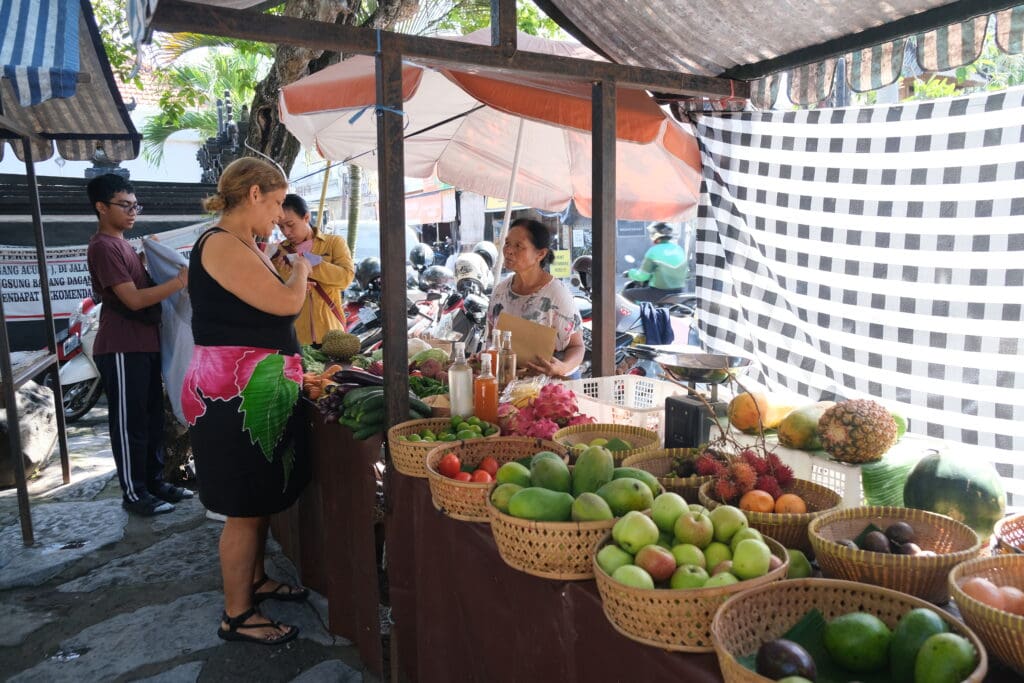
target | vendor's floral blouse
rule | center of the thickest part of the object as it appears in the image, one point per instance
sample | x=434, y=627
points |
x=551, y=306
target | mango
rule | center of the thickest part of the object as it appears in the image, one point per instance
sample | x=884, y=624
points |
x=541, y=505
x=590, y=507
x=594, y=468
x=550, y=473
x=617, y=444
x=502, y=494
x=799, y=429
x=513, y=473
x=624, y=495
x=643, y=475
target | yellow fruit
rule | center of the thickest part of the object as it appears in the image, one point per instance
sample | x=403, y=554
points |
x=750, y=409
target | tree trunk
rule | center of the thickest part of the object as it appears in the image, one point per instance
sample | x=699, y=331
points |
x=266, y=133
x=355, y=199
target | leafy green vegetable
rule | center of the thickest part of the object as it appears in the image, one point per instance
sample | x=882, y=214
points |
x=425, y=386
x=313, y=360
x=437, y=354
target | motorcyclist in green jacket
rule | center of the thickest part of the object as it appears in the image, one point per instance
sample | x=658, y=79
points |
x=665, y=268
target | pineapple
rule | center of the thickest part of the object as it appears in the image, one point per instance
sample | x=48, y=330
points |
x=857, y=431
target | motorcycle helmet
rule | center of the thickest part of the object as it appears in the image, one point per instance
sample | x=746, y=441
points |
x=662, y=231
x=487, y=251
x=470, y=266
x=421, y=256
x=476, y=308
x=412, y=278
x=368, y=273
x=582, y=267
x=437, y=277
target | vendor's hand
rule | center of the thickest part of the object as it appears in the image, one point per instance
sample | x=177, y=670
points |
x=552, y=367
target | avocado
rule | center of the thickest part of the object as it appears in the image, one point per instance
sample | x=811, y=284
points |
x=781, y=657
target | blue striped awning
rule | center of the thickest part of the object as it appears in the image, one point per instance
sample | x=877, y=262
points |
x=39, y=49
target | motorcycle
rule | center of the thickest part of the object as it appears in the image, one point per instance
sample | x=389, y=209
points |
x=80, y=381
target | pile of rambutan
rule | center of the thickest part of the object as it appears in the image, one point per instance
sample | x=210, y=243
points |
x=746, y=471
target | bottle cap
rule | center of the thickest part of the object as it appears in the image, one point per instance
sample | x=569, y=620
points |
x=485, y=360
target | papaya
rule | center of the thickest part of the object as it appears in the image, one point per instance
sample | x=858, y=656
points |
x=594, y=468
x=626, y=494
x=750, y=412
x=799, y=429
x=550, y=473
x=643, y=475
x=541, y=505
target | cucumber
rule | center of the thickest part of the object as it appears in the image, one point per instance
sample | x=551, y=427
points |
x=374, y=417
x=367, y=431
x=357, y=395
x=372, y=402
x=419, y=406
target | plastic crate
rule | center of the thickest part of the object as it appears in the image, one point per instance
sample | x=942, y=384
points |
x=625, y=399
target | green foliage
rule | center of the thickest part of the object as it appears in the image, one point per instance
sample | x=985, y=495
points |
x=934, y=88
x=471, y=15
x=112, y=22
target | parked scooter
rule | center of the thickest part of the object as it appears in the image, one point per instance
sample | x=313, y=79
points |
x=80, y=382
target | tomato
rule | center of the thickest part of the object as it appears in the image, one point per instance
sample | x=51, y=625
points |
x=482, y=476
x=489, y=465
x=415, y=373
x=463, y=476
x=449, y=465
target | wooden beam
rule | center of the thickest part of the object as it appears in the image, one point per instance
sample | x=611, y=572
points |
x=922, y=22
x=602, y=355
x=391, y=175
x=503, y=26
x=181, y=16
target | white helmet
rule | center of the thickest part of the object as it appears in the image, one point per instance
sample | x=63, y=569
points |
x=470, y=265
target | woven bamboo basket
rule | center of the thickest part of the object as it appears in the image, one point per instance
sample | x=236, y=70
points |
x=1009, y=535
x=409, y=456
x=552, y=550
x=642, y=439
x=466, y=500
x=1000, y=631
x=672, y=619
x=922, y=576
x=659, y=463
x=767, y=612
x=789, y=529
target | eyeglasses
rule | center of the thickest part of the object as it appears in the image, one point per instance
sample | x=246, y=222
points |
x=128, y=208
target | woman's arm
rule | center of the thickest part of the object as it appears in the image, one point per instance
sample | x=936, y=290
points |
x=572, y=356
x=136, y=299
x=248, y=275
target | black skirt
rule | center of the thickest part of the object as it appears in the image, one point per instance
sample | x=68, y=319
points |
x=235, y=477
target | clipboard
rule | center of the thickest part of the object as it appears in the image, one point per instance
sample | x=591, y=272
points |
x=529, y=339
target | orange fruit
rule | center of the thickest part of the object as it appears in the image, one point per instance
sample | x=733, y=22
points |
x=757, y=501
x=790, y=503
x=984, y=591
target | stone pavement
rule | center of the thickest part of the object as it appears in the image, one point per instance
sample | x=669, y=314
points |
x=104, y=596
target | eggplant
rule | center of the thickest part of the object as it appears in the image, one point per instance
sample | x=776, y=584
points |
x=360, y=377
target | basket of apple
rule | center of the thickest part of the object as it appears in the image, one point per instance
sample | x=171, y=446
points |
x=461, y=475
x=547, y=517
x=661, y=577
x=989, y=591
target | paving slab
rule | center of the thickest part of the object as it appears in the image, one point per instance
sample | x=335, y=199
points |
x=20, y=622
x=65, y=533
x=331, y=671
x=185, y=673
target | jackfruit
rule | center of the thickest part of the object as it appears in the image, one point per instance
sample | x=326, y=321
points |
x=339, y=344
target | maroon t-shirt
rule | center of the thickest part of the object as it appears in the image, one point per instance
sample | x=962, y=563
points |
x=112, y=261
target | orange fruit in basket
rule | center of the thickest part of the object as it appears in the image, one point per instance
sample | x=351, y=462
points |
x=984, y=591
x=790, y=503
x=757, y=501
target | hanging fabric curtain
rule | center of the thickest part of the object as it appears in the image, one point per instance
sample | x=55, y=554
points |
x=875, y=67
x=952, y=46
x=39, y=48
x=874, y=252
x=1010, y=30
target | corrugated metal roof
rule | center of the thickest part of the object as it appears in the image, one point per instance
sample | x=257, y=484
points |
x=92, y=116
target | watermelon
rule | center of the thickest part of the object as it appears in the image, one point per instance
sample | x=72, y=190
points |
x=968, y=491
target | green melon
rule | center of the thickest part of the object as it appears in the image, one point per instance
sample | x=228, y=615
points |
x=968, y=491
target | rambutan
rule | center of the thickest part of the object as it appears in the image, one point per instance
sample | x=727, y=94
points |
x=707, y=465
x=743, y=475
x=726, y=490
x=783, y=472
x=759, y=464
x=768, y=484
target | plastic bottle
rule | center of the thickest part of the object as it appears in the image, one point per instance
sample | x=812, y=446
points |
x=485, y=392
x=460, y=382
x=506, y=361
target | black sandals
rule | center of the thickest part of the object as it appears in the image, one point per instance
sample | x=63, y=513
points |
x=237, y=624
x=283, y=592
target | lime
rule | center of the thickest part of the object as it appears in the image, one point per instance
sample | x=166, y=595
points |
x=414, y=437
x=474, y=420
x=429, y=438
x=858, y=641
x=490, y=430
x=944, y=658
x=476, y=428
x=466, y=434
x=448, y=437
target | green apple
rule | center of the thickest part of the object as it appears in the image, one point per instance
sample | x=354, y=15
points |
x=666, y=540
x=716, y=552
x=719, y=580
x=634, y=531
x=697, y=507
x=634, y=576
x=725, y=566
x=694, y=528
x=666, y=508
x=611, y=557
x=687, y=553
x=744, y=534
x=751, y=559
x=799, y=565
x=688, y=576
x=727, y=520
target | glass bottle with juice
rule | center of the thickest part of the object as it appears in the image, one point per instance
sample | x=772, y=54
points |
x=485, y=392
x=506, y=361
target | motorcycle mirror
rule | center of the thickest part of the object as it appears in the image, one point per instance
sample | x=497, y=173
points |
x=628, y=258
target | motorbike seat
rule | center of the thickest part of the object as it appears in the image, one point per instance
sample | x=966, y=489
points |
x=585, y=307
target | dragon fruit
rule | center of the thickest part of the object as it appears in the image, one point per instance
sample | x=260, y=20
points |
x=554, y=407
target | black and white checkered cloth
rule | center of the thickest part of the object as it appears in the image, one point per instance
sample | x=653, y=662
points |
x=876, y=252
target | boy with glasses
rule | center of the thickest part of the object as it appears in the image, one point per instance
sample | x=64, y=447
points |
x=127, y=349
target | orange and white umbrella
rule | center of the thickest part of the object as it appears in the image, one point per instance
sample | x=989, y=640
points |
x=465, y=127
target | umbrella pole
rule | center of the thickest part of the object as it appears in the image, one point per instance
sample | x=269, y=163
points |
x=323, y=196
x=500, y=242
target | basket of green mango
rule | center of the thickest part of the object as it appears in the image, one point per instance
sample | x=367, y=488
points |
x=410, y=441
x=548, y=517
x=622, y=440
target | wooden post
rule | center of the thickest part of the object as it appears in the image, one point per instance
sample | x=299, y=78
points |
x=603, y=192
